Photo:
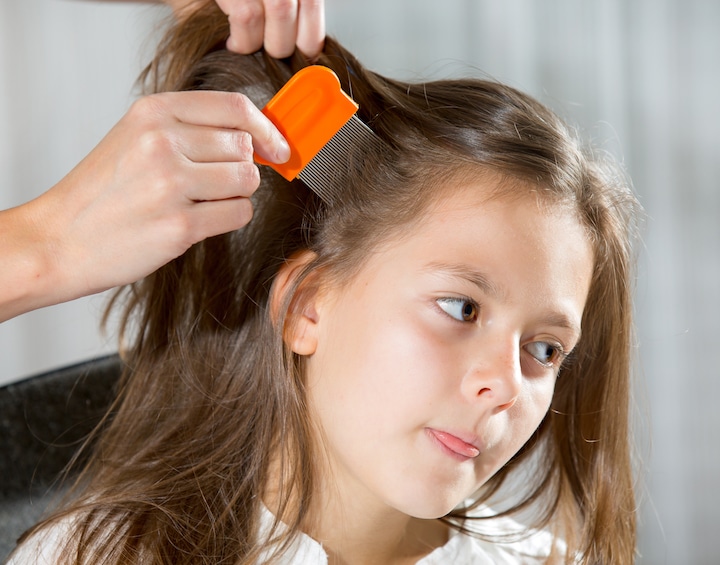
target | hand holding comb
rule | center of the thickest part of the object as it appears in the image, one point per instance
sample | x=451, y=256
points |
x=320, y=124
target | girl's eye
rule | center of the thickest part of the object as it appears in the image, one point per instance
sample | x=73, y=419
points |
x=461, y=309
x=546, y=353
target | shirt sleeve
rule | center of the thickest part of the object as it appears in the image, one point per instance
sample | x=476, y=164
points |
x=43, y=547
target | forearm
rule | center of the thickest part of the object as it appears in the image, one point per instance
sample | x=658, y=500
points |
x=28, y=279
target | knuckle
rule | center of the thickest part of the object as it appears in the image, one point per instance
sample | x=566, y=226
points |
x=161, y=187
x=281, y=9
x=248, y=176
x=243, y=144
x=240, y=105
x=180, y=229
x=246, y=14
x=147, y=107
x=244, y=211
x=154, y=144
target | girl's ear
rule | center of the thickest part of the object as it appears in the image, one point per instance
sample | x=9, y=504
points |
x=301, y=321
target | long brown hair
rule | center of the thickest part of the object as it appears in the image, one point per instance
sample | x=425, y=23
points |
x=211, y=391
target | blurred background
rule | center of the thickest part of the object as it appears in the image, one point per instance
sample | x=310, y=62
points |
x=638, y=77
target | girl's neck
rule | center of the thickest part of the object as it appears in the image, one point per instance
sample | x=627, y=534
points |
x=357, y=531
x=380, y=544
x=354, y=531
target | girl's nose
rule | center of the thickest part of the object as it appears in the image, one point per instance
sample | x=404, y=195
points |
x=495, y=376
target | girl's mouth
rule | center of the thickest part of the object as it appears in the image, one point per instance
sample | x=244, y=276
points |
x=453, y=445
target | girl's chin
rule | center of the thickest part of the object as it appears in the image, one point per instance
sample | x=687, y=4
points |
x=431, y=509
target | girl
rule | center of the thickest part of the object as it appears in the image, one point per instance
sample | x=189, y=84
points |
x=432, y=367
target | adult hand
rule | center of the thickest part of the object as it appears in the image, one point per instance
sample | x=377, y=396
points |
x=176, y=169
x=278, y=25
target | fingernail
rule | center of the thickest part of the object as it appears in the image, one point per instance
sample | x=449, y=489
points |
x=283, y=152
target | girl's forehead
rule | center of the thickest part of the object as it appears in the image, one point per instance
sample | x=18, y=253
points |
x=477, y=185
x=469, y=218
x=489, y=195
x=469, y=210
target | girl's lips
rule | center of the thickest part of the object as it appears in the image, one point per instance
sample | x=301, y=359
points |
x=455, y=444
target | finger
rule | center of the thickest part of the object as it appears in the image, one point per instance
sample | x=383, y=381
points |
x=221, y=181
x=216, y=217
x=311, y=27
x=202, y=144
x=230, y=110
x=247, y=25
x=280, y=27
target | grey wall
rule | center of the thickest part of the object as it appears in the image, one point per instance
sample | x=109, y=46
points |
x=67, y=70
x=640, y=77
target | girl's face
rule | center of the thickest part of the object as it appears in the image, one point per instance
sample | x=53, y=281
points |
x=434, y=364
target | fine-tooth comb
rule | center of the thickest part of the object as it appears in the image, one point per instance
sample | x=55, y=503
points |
x=320, y=124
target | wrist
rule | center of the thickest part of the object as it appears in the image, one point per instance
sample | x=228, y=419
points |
x=29, y=279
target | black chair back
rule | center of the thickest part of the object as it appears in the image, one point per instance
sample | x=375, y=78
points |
x=43, y=421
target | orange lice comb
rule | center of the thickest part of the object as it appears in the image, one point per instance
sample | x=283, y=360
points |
x=319, y=123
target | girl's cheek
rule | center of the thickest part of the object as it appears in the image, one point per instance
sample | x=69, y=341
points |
x=534, y=403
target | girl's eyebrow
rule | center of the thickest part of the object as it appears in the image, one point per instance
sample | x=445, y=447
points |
x=483, y=282
x=462, y=271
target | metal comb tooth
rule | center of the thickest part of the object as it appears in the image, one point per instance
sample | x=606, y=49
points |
x=326, y=173
x=319, y=122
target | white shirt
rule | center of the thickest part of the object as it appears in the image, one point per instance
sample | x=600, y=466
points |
x=461, y=549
